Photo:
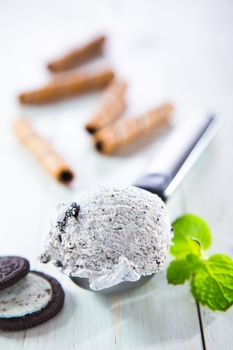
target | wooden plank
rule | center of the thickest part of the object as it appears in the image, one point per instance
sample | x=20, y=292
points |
x=209, y=194
x=21, y=209
x=159, y=316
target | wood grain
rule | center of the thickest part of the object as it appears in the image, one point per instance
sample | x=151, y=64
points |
x=215, y=189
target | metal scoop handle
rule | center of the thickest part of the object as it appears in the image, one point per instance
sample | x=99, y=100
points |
x=180, y=151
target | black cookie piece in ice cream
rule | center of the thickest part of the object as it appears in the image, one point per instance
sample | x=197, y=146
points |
x=12, y=270
x=32, y=301
x=72, y=211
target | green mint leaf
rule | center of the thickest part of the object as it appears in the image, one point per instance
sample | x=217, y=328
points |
x=183, y=247
x=195, y=262
x=178, y=271
x=191, y=235
x=212, y=285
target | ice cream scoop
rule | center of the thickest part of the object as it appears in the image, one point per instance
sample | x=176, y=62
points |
x=115, y=236
x=110, y=235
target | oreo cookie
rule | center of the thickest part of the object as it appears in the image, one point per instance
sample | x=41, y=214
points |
x=12, y=270
x=33, y=300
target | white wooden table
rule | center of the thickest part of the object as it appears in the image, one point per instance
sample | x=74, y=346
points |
x=179, y=50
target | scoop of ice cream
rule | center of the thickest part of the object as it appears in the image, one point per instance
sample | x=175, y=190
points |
x=111, y=235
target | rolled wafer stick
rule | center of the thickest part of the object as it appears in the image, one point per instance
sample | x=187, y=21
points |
x=67, y=86
x=124, y=131
x=111, y=107
x=42, y=151
x=78, y=56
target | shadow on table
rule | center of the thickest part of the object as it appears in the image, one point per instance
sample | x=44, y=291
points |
x=155, y=313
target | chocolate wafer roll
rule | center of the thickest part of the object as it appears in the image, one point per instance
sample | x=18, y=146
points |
x=41, y=150
x=124, y=131
x=78, y=56
x=110, y=108
x=67, y=86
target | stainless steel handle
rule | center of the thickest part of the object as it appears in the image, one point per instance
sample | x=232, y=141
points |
x=180, y=151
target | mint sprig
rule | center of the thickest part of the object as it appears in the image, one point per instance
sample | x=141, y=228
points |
x=211, y=278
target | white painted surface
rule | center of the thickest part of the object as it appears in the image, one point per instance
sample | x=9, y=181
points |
x=178, y=50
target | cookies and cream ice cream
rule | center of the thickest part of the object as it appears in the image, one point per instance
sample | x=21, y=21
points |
x=110, y=235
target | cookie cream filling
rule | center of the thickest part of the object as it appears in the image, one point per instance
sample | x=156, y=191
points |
x=27, y=296
x=110, y=235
